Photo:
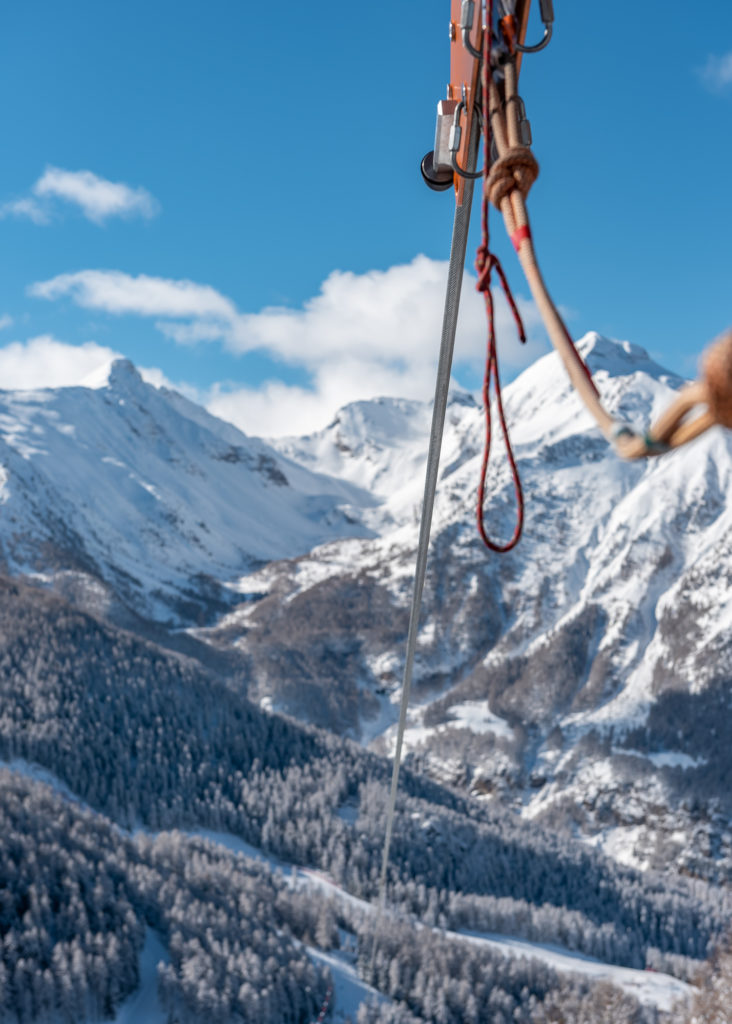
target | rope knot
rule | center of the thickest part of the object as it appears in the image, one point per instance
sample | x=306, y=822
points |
x=516, y=169
x=484, y=264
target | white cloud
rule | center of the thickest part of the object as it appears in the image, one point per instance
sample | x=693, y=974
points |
x=45, y=362
x=25, y=208
x=363, y=335
x=115, y=292
x=97, y=198
x=192, y=333
x=717, y=72
x=5, y=321
x=380, y=314
x=273, y=410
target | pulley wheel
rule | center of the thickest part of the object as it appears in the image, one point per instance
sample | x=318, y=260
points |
x=438, y=181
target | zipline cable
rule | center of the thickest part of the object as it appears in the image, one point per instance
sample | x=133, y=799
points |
x=449, y=324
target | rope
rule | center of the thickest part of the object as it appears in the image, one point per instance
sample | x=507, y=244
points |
x=497, y=182
x=517, y=168
x=718, y=379
x=491, y=372
x=506, y=186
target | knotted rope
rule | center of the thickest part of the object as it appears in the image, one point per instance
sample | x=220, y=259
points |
x=517, y=170
x=506, y=186
x=490, y=262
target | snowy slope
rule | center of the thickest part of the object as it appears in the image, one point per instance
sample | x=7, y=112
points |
x=652, y=988
x=147, y=498
x=582, y=677
x=592, y=637
x=379, y=446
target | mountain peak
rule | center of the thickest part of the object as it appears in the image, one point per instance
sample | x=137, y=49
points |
x=617, y=358
x=122, y=371
x=114, y=373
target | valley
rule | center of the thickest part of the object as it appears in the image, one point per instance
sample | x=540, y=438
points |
x=202, y=639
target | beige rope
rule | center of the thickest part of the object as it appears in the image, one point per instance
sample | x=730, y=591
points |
x=506, y=185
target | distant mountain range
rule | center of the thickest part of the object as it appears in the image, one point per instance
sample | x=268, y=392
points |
x=571, y=700
x=581, y=679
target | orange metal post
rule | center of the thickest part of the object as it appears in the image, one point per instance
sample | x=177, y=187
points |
x=465, y=70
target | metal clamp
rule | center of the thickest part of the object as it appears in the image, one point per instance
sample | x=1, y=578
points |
x=467, y=17
x=456, y=134
x=547, y=16
x=524, y=124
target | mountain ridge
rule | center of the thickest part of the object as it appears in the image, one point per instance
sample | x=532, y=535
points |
x=548, y=678
x=567, y=765
x=150, y=497
x=615, y=600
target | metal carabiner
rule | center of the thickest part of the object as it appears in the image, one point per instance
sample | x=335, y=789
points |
x=467, y=17
x=547, y=16
x=456, y=134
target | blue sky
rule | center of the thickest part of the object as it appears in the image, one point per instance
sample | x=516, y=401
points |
x=252, y=226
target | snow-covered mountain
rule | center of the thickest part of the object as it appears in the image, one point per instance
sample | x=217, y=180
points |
x=581, y=678
x=123, y=493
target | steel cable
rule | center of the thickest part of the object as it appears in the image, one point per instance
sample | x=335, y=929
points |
x=458, y=249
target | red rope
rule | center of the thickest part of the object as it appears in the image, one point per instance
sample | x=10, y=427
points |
x=485, y=264
x=491, y=374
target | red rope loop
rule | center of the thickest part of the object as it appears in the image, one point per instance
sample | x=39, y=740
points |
x=485, y=263
x=491, y=374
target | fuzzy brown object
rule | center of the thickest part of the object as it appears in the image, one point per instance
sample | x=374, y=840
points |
x=717, y=368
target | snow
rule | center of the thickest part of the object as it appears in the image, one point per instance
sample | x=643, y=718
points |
x=620, y=843
x=380, y=446
x=473, y=715
x=143, y=1006
x=37, y=774
x=152, y=490
x=348, y=813
x=651, y=988
x=237, y=846
x=157, y=495
x=628, y=542
x=477, y=716
x=100, y=377
x=665, y=759
x=674, y=759
x=348, y=989
x=379, y=724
